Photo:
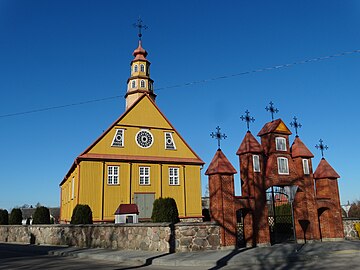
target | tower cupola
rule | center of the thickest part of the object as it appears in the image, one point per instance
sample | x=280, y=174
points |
x=139, y=81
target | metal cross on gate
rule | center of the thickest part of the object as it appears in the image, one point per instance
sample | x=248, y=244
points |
x=139, y=24
x=218, y=135
x=247, y=118
x=322, y=147
x=296, y=125
x=272, y=110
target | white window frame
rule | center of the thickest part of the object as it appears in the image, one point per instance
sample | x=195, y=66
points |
x=142, y=68
x=306, y=167
x=142, y=83
x=113, y=175
x=172, y=140
x=136, y=68
x=280, y=143
x=144, y=176
x=283, y=165
x=117, y=131
x=73, y=188
x=174, y=179
x=256, y=163
x=133, y=84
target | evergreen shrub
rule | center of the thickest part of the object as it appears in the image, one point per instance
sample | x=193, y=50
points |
x=4, y=217
x=15, y=217
x=82, y=214
x=165, y=210
x=41, y=215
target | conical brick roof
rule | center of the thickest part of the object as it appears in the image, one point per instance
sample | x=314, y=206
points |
x=324, y=170
x=220, y=165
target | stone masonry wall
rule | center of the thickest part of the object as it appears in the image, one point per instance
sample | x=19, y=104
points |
x=162, y=237
x=349, y=229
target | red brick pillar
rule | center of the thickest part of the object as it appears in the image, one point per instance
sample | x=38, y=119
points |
x=222, y=204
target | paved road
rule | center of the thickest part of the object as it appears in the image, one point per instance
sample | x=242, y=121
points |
x=15, y=256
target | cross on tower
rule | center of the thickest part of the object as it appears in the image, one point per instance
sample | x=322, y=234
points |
x=139, y=24
x=322, y=147
x=296, y=125
x=247, y=118
x=272, y=110
x=218, y=135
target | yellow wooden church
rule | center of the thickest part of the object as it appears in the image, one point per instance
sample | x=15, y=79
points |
x=139, y=158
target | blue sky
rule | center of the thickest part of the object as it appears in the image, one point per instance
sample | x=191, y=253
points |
x=55, y=53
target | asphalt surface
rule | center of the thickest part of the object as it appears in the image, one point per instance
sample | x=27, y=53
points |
x=321, y=255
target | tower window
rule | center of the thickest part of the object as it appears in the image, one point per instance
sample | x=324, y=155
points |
x=173, y=176
x=133, y=84
x=113, y=175
x=144, y=175
x=256, y=163
x=283, y=165
x=280, y=144
x=142, y=84
x=142, y=68
x=306, y=166
x=136, y=68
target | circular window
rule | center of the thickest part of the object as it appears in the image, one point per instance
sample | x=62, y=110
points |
x=144, y=138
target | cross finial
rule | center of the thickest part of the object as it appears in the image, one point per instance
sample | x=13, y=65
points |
x=322, y=147
x=247, y=118
x=272, y=110
x=296, y=125
x=139, y=24
x=218, y=135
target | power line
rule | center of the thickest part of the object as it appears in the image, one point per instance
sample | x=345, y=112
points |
x=316, y=59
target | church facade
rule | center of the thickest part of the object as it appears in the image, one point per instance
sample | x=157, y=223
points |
x=139, y=158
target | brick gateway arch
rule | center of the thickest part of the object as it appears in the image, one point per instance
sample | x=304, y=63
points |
x=263, y=166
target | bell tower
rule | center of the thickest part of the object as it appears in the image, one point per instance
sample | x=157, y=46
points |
x=139, y=81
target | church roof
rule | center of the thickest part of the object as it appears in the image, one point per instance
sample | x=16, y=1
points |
x=324, y=170
x=298, y=149
x=87, y=156
x=249, y=145
x=277, y=126
x=220, y=165
x=140, y=53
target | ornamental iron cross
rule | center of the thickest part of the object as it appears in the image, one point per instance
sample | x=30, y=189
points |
x=218, y=135
x=272, y=110
x=139, y=24
x=322, y=147
x=296, y=125
x=247, y=118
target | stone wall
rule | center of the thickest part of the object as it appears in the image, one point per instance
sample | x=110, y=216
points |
x=162, y=237
x=349, y=229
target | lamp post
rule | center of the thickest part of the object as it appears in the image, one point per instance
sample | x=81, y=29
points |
x=291, y=192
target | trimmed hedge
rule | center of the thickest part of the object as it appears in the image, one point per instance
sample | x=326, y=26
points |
x=165, y=210
x=15, y=217
x=82, y=214
x=41, y=215
x=4, y=217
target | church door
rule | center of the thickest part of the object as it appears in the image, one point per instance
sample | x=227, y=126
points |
x=144, y=202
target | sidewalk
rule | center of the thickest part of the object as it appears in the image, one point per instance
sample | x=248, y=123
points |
x=276, y=254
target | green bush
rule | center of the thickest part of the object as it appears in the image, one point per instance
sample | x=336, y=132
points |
x=15, y=217
x=165, y=210
x=4, y=217
x=41, y=215
x=82, y=214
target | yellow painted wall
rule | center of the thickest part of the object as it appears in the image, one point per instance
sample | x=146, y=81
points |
x=193, y=191
x=144, y=115
x=68, y=202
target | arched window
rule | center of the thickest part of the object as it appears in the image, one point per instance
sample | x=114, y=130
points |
x=283, y=165
x=133, y=84
x=142, y=68
x=136, y=68
x=142, y=84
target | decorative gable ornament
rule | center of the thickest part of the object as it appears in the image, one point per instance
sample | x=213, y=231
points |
x=118, y=140
x=169, y=141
